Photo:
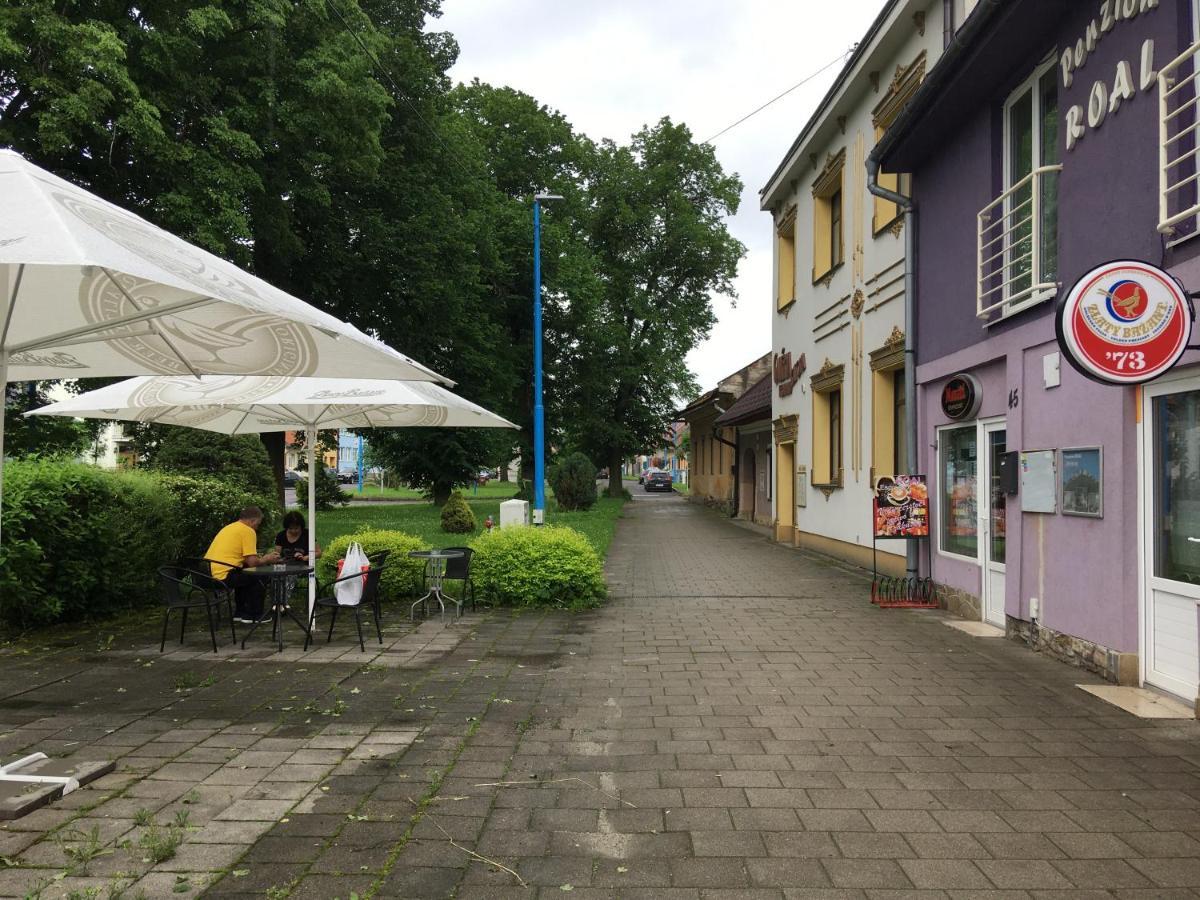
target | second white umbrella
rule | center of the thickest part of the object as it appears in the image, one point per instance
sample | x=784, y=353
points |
x=251, y=404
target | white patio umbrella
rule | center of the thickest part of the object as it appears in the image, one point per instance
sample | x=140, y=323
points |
x=253, y=404
x=88, y=289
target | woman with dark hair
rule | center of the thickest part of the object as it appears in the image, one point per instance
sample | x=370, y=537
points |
x=292, y=543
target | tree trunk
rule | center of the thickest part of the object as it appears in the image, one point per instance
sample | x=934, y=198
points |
x=276, y=453
x=616, y=484
x=504, y=471
x=441, y=493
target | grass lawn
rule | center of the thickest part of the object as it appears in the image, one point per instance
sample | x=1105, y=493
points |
x=494, y=490
x=424, y=520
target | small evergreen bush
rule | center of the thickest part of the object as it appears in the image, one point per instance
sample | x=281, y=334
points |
x=548, y=566
x=401, y=575
x=457, y=517
x=329, y=492
x=574, y=482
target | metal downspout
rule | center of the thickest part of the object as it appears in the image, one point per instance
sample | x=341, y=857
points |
x=910, y=351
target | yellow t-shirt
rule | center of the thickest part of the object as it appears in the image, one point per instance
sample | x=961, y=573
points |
x=232, y=545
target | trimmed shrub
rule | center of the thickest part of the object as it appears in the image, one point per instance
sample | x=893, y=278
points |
x=401, y=575
x=80, y=542
x=329, y=492
x=457, y=517
x=204, y=505
x=574, y=482
x=547, y=566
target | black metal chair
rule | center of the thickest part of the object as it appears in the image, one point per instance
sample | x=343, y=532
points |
x=327, y=598
x=204, y=565
x=457, y=569
x=377, y=560
x=184, y=589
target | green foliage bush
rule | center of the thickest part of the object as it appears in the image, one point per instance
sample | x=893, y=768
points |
x=80, y=542
x=547, y=566
x=401, y=575
x=574, y=482
x=329, y=492
x=457, y=517
x=204, y=505
x=240, y=459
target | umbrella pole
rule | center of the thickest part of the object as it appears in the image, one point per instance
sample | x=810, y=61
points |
x=311, y=442
x=3, y=403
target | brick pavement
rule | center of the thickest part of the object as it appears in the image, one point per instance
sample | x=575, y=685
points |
x=737, y=723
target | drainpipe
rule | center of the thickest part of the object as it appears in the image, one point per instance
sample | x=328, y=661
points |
x=909, y=209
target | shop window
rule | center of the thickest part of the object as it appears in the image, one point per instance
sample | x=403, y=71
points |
x=785, y=252
x=1177, y=487
x=1030, y=146
x=957, y=468
x=828, y=241
x=827, y=426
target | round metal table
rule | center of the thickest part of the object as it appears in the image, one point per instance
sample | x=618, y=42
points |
x=279, y=578
x=437, y=570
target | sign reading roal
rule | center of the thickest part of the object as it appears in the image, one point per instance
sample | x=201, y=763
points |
x=1124, y=322
x=786, y=373
x=961, y=396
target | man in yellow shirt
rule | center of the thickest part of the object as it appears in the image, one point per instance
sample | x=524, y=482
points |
x=235, y=548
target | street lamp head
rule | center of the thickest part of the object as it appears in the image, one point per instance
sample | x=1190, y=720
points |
x=543, y=197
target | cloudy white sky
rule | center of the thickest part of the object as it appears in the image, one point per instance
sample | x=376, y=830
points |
x=612, y=66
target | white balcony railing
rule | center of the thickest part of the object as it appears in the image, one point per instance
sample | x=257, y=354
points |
x=1018, y=245
x=1178, y=174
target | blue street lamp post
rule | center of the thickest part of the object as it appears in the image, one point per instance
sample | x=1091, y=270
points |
x=539, y=413
x=360, y=463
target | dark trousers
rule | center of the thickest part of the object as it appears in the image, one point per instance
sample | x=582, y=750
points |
x=248, y=594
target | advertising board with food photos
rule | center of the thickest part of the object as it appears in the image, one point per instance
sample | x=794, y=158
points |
x=901, y=507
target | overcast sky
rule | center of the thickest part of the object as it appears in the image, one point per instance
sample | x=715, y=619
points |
x=615, y=65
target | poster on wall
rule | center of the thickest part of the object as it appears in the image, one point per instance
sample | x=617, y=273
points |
x=901, y=507
x=1082, y=482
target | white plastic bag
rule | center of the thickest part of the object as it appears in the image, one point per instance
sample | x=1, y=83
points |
x=349, y=592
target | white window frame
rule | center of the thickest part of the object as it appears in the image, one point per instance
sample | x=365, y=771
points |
x=1029, y=84
x=977, y=559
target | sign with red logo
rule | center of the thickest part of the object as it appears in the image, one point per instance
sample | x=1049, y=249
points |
x=961, y=396
x=901, y=507
x=1125, y=322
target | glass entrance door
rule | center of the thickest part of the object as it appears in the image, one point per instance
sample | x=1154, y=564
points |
x=1169, y=620
x=993, y=521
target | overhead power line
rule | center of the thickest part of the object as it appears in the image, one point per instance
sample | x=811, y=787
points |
x=833, y=62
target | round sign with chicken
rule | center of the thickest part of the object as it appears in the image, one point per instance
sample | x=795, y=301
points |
x=1125, y=322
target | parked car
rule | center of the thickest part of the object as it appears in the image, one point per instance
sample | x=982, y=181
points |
x=659, y=481
x=290, y=477
x=347, y=477
x=602, y=474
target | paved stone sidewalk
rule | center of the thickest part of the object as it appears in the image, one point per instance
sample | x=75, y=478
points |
x=738, y=723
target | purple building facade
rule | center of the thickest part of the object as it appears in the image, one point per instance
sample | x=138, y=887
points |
x=1063, y=508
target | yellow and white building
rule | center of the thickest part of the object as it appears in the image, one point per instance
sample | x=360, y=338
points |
x=838, y=399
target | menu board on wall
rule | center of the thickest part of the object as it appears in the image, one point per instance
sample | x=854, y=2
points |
x=901, y=507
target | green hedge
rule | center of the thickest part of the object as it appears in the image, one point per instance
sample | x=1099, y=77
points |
x=204, y=505
x=547, y=566
x=81, y=543
x=401, y=575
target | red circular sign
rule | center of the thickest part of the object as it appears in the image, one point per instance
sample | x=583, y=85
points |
x=1125, y=322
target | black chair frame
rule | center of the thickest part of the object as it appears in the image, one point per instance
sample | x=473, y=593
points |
x=185, y=589
x=457, y=569
x=327, y=598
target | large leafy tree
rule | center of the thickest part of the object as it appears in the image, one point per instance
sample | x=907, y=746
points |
x=657, y=233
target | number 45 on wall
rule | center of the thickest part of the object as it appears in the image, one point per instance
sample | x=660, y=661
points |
x=1014, y=398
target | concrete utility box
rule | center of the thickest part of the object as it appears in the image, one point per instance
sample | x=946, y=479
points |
x=514, y=512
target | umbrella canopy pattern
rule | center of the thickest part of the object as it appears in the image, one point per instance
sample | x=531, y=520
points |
x=88, y=289
x=251, y=404
x=247, y=404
